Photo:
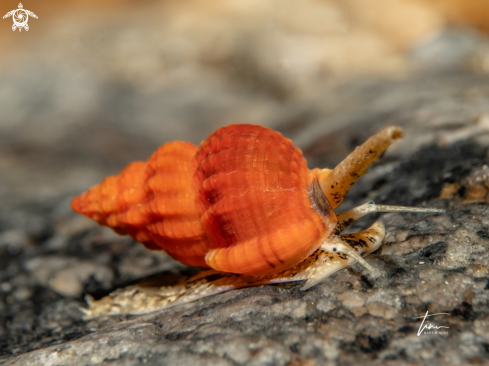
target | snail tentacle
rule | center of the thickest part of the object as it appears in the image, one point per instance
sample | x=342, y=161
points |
x=338, y=182
x=347, y=218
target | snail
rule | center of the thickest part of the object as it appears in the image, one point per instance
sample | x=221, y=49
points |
x=242, y=204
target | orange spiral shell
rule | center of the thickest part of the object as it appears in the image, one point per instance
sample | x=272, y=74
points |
x=240, y=202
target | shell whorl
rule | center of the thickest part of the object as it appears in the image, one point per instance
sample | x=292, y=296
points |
x=253, y=193
x=240, y=202
x=154, y=202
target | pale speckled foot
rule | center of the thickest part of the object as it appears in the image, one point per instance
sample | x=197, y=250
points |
x=144, y=298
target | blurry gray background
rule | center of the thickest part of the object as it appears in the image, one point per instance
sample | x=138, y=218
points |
x=91, y=87
x=95, y=85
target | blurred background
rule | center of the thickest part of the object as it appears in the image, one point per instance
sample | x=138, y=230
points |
x=94, y=85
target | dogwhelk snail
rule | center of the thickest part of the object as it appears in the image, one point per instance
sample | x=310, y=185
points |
x=244, y=204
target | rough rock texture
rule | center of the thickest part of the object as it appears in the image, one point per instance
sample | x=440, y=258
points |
x=50, y=257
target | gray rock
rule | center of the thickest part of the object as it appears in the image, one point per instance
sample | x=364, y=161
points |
x=50, y=257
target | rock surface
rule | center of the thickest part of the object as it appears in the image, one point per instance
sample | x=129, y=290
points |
x=89, y=97
x=51, y=257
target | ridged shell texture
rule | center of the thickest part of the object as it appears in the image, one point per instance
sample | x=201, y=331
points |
x=240, y=202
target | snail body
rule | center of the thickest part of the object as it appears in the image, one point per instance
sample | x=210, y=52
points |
x=244, y=204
